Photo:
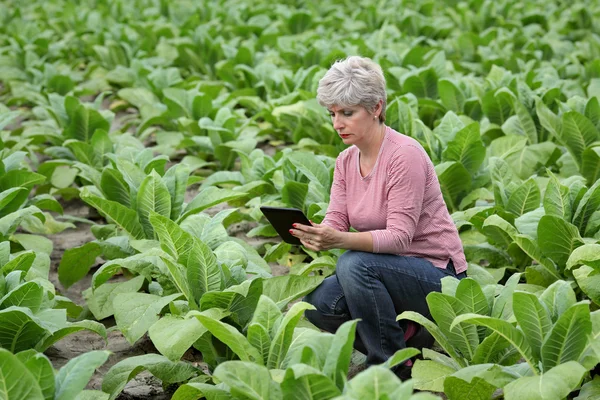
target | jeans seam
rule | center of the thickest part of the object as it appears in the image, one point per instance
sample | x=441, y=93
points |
x=382, y=340
x=334, y=304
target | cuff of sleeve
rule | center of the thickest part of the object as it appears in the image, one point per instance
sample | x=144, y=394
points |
x=375, y=237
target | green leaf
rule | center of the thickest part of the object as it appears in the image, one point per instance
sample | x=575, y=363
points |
x=91, y=326
x=466, y=148
x=84, y=122
x=588, y=204
x=123, y=217
x=167, y=371
x=28, y=295
x=590, y=164
x=284, y=289
x=499, y=230
x=533, y=319
x=526, y=198
x=444, y=310
x=309, y=165
x=454, y=180
x=100, y=301
x=173, y=336
x=568, y=337
x=16, y=381
x=577, y=133
x=558, y=297
x=266, y=313
x=248, y=380
x=340, y=353
x=304, y=382
x=76, y=263
x=175, y=179
x=557, y=239
x=135, y=313
x=588, y=280
x=554, y=384
x=41, y=368
x=208, y=197
x=504, y=329
x=75, y=375
x=591, y=390
x=477, y=389
x=282, y=337
x=430, y=375
x=19, y=329
x=556, y=199
x=232, y=338
x=588, y=254
x=22, y=262
x=152, y=197
x=114, y=186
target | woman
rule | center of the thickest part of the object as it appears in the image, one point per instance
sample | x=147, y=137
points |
x=385, y=187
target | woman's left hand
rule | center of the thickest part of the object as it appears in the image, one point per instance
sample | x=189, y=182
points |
x=317, y=237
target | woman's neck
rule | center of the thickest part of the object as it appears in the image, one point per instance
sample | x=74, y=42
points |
x=370, y=149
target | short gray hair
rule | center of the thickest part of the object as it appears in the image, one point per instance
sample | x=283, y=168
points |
x=351, y=82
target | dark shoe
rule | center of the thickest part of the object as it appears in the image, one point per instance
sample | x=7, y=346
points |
x=402, y=371
x=422, y=338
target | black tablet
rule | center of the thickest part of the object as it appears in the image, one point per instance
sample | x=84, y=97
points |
x=282, y=220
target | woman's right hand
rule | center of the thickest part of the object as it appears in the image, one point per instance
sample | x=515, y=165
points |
x=318, y=237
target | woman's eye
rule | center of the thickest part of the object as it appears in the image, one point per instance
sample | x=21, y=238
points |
x=348, y=113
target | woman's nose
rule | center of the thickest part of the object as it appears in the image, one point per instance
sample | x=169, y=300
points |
x=337, y=122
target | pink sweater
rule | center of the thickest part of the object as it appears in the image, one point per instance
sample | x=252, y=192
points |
x=399, y=202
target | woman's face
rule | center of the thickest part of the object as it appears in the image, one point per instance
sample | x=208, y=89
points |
x=354, y=124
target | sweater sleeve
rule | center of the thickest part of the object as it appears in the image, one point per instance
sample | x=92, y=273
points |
x=337, y=212
x=405, y=188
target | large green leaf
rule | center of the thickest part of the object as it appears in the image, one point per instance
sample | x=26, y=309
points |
x=175, y=179
x=135, y=313
x=302, y=382
x=84, y=122
x=125, y=218
x=100, y=301
x=557, y=239
x=533, y=319
x=16, y=381
x=282, y=337
x=525, y=198
x=208, y=197
x=114, y=186
x=455, y=180
x=76, y=263
x=75, y=375
x=152, y=197
x=588, y=204
x=577, y=133
x=167, y=371
x=232, y=337
x=339, y=354
x=445, y=309
x=71, y=327
x=19, y=329
x=41, y=368
x=556, y=199
x=283, y=289
x=466, y=148
x=28, y=295
x=248, y=380
x=568, y=337
x=554, y=384
x=514, y=336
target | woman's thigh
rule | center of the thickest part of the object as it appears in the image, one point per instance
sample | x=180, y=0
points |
x=408, y=280
x=331, y=309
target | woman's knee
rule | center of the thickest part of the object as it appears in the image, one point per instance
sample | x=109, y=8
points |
x=351, y=264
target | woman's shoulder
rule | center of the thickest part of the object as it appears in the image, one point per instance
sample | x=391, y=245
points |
x=399, y=145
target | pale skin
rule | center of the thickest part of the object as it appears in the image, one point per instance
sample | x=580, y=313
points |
x=360, y=127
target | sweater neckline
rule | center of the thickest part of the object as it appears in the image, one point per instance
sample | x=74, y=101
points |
x=368, y=176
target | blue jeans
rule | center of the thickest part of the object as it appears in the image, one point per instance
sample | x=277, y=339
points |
x=375, y=288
